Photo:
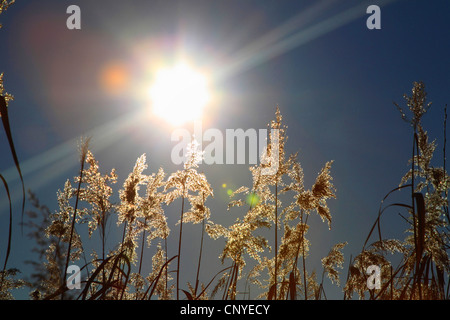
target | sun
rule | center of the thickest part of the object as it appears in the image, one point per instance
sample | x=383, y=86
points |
x=179, y=94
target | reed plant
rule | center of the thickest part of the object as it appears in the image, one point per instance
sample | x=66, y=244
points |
x=423, y=268
x=266, y=248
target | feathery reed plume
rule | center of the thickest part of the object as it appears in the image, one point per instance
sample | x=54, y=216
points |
x=4, y=5
x=272, y=190
x=96, y=193
x=39, y=219
x=9, y=283
x=334, y=260
x=152, y=218
x=129, y=208
x=180, y=183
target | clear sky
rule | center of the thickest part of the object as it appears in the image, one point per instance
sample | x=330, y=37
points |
x=334, y=80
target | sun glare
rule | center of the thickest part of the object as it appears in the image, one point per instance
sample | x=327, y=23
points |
x=179, y=94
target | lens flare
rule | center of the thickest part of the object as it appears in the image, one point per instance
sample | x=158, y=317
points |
x=114, y=78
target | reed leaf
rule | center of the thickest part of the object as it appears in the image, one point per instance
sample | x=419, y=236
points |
x=99, y=269
x=292, y=286
x=8, y=250
x=272, y=292
x=188, y=295
x=6, y=126
x=420, y=226
x=155, y=281
x=209, y=283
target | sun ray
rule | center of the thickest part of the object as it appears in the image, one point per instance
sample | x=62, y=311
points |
x=291, y=35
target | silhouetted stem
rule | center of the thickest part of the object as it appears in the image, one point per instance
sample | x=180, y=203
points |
x=142, y=247
x=199, y=257
x=276, y=238
x=301, y=245
x=166, y=274
x=73, y=221
x=303, y=259
x=179, y=241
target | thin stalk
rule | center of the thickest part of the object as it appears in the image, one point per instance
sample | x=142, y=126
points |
x=179, y=241
x=123, y=241
x=276, y=238
x=227, y=286
x=233, y=297
x=8, y=250
x=445, y=159
x=142, y=248
x=304, y=271
x=166, y=273
x=86, y=263
x=294, y=265
x=83, y=158
x=445, y=140
x=348, y=274
x=102, y=231
x=199, y=257
x=412, y=193
x=123, y=235
x=418, y=274
x=247, y=287
x=232, y=280
x=303, y=258
x=225, y=294
x=301, y=245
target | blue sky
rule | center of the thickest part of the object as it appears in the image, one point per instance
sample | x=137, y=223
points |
x=334, y=80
